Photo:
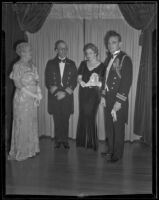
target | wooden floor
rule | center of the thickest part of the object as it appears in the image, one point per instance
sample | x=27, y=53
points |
x=79, y=172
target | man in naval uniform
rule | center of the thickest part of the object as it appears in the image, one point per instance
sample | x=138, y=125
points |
x=115, y=89
x=61, y=80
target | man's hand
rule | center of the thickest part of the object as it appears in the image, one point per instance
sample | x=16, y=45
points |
x=60, y=95
x=53, y=89
x=117, y=106
x=113, y=113
x=103, y=101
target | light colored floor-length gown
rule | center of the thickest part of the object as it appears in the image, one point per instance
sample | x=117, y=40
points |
x=25, y=140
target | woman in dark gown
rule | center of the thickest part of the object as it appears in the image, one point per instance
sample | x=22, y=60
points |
x=89, y=97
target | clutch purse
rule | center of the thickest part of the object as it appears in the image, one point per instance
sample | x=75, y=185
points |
x=93, y=81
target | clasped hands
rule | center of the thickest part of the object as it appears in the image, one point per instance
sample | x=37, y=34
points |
x=60, y=94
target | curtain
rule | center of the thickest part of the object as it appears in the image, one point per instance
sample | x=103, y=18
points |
x=154, y=85
x=143, y=17
x=13, y=35
x=143, y=109
x=138, y=15
x=75, y=33
x=31, y=16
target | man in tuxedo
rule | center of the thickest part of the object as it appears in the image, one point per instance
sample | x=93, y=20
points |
x=61, y=80
x=115, y=89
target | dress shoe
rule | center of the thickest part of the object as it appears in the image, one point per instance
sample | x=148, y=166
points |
x=108, y=156
x=57, y=145
x=113, y=159
x=66, y=145
x=104, y=153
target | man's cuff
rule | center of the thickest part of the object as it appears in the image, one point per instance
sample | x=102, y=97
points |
x=69, y=90
x=121, y=97
x=55, y=91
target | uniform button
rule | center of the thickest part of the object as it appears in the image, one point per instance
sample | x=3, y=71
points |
x=114, y=77
x=113, y=83
x=111, y=87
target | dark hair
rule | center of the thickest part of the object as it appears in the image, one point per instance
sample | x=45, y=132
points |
x=91, y=46
x=58, y=42
x=111, y=34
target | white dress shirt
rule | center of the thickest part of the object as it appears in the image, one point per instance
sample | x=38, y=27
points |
x=62, y=66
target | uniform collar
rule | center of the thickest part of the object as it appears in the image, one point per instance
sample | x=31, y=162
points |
x=116, y=52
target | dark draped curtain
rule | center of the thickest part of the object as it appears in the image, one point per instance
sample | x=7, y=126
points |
x=16, y=19
x=31, y=16
x=12, y=34
x=143, y=17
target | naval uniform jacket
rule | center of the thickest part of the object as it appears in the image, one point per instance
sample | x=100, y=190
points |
x=118, y=82
x=53, y=78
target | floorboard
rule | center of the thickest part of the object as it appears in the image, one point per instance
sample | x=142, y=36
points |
x=81, y=171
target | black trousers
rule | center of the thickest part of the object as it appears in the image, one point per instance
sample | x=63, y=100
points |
x=115, y=132
x=61, y=124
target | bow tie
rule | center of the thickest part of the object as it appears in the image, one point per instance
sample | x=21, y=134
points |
x=112, y=55
x=60, y=60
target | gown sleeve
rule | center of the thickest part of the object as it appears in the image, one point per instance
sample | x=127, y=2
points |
x=81, y=68
x=16, y=75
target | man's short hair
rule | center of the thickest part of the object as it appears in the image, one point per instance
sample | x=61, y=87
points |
x=58, y=42
x=111, y=34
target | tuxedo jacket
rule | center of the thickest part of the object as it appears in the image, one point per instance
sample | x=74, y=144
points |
x=119, y=82
x=53, y=78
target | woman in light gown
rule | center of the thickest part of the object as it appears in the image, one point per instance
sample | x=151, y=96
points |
x=25, y=140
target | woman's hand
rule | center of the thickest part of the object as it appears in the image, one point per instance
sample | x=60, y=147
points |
x=83, y=84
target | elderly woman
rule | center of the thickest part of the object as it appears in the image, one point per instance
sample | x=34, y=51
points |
x=25, y=141
x=90, y=74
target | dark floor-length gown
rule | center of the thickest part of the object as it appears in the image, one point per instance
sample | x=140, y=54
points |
x=89, y=98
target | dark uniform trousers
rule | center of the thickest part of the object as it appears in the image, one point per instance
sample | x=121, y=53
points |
x=61, y=109
x=118, y=85
x=115, y=133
